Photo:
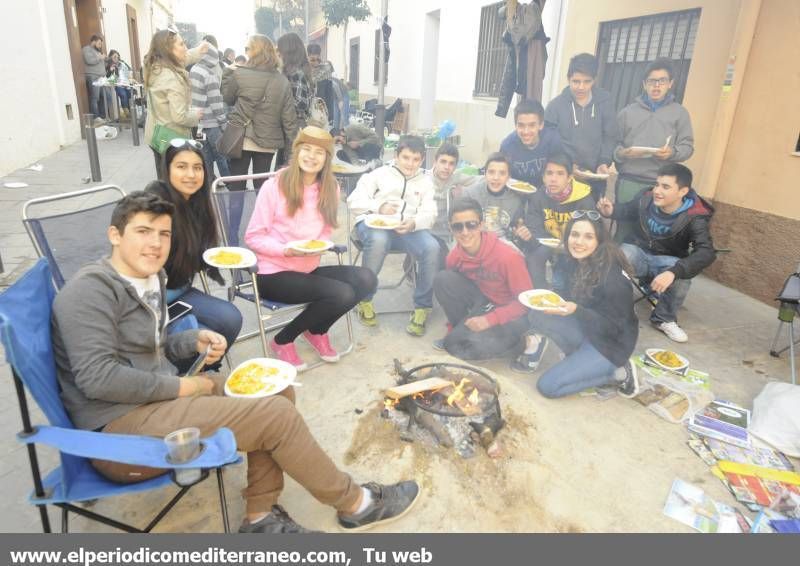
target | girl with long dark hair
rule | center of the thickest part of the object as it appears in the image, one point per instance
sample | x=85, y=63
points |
x=194, y=230
x=300, y=203
x=297, y=70
x=595, y=325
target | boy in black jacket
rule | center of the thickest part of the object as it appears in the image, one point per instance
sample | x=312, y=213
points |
x=671, y=242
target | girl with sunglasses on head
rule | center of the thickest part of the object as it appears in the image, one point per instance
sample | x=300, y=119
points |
x=478, y=290
x=595, y=325
x=300, y=203
x=169, y=93
x=194, y=230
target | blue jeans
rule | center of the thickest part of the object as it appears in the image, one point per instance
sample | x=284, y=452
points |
x=647, y=265
x=584, y=367
x=211, y=154
x=94, y=98
x=423, y=247
x=212, y=313
x=124, y=94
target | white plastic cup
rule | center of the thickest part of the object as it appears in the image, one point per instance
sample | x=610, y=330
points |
x=184, y=446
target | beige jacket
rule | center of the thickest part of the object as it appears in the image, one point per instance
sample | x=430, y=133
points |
x=169, y=97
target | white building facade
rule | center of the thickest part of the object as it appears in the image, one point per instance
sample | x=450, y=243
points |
x=40, y=98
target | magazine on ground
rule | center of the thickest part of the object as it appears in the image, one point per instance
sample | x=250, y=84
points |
x=723, y=421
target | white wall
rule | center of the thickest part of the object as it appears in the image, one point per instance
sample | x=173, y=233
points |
x=37, y=84
x=115, y=22
x=481, y=131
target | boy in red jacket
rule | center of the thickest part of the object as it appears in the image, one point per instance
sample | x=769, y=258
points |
x=478, y=290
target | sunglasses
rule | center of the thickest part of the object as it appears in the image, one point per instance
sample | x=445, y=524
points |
x=470, y=225
x=181, y=142
x=591, y=214
x=172, y=29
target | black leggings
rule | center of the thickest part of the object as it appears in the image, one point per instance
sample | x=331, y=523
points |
x=331, y=291
x=261, y=162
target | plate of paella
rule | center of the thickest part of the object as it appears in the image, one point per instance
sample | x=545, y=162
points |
x=260, y=377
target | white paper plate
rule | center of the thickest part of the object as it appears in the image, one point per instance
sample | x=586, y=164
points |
x=521, y=186
x=525, y=297
x=645, y=149
x=550, y=242
x=248, y=258
x=591, y=175
x=299, y=246
x=392, y=222
x=344, y=168
x=285, y=376
x=653, y=351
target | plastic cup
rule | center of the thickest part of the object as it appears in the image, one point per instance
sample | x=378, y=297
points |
x=184, y=446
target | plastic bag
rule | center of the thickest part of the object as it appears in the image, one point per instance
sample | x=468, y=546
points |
x=672, y=397
x=776, y=417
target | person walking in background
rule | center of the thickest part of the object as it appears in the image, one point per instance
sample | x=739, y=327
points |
x=655, y=121
x=95, y=68
x=206, y=79
x=229, y=57
x=120, y=72
x=262, y=101
x=168, y=91
x=300, y=203
x=297, y=70
x=584, y=116
x=322, y=74
x=186, y=185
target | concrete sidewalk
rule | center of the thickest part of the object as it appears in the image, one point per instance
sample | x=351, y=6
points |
x=582, y=446
x=121, y=163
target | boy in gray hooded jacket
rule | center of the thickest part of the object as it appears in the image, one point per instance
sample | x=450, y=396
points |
x=114, y=364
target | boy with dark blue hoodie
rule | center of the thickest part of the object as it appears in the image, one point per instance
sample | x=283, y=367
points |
x=530, y=144
x=584, y=116
x=671, y=242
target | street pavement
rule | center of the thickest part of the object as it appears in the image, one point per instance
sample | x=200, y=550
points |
x=728, y=331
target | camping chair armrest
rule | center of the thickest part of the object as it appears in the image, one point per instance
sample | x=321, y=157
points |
x=339, y=249
x=219, y=449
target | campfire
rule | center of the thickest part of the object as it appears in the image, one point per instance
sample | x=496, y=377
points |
x=453, y=405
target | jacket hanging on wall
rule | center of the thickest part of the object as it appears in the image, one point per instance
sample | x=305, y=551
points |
x=525, y=41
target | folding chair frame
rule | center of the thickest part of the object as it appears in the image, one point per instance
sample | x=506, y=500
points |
x=66, y=508
x=27, y=218
x=236, y=288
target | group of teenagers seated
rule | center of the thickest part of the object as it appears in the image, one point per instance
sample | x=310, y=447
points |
x=119, y=365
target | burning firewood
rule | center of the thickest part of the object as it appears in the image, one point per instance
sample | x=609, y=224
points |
x=430, y=384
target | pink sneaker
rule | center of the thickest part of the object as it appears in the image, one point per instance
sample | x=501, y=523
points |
x=287, y=353
x=322, y=344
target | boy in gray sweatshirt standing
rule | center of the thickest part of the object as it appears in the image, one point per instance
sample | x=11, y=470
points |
x=654, y=120
x=115, y=370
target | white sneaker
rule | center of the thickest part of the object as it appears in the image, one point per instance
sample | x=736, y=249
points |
x=672, y=330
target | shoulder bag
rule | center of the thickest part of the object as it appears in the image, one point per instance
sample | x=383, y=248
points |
x=231, y=142
x=162, y=134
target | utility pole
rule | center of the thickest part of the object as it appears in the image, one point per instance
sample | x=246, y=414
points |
x=305, y=20
x=380, y=109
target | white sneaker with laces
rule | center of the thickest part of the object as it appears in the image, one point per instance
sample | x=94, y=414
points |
x=673, y=331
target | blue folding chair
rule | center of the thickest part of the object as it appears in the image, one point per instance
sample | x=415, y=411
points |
x=25, y=310
x=70, y=230
x=233, y=210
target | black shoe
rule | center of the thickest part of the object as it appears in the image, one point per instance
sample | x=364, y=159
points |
x=389, y=502
x=629, y=387
x=276, y=522
x=529, y=363
x=438, y=345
